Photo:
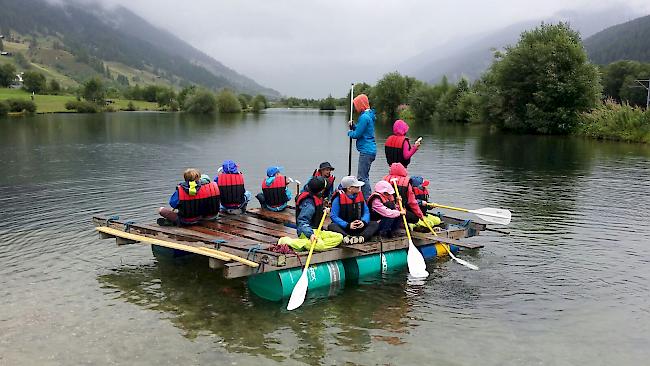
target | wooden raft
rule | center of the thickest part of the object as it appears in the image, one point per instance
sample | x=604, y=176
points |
x=240, y=243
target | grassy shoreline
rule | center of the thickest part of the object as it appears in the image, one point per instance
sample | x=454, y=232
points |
x=56, y=103
x=616, y=122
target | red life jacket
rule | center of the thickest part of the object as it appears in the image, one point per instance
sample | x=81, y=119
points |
x=204, y=203
x=422, y=195
x=232, y=189
x=389, y=202
x=403, y=186
x=329, y=180
x=276, y=194
x=394, y=149
x=318, y=202
x=349, y=209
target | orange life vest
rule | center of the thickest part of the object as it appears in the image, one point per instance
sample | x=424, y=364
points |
x=403, y=186
x=204, y=203
x=394, y=149
x=349, y=209
x=232, y=189
x=422, y=195
x=276, y=194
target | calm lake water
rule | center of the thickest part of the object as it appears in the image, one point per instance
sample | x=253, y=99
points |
x=569, y=286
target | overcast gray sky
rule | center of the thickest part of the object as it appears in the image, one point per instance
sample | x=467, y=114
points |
x=312, y=48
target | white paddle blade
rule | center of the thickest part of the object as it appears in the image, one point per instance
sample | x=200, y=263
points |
x=299, y=292
x=494, y=215
x=467, y=264
x=463, y=262
x=415, y=261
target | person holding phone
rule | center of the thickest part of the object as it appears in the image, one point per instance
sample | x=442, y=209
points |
x=398, y=147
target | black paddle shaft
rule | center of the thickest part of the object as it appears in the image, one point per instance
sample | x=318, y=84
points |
x=350, y=158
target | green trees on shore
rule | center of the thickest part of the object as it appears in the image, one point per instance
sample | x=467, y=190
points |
x=619, y=82
x=200, y=102
x=544, y=84
x=7, y=74
x=227, y=102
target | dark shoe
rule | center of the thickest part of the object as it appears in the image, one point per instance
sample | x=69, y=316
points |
x=164, y=222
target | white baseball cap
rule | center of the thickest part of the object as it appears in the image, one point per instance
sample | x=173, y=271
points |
x=351, y=181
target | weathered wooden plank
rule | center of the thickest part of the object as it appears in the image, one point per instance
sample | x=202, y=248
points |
x=169, y=244
x=196, y=235
x=215, y=263
x=264, y=223
x=286, y=216
x=174, y=232
x=266, y=230
x=249, y=234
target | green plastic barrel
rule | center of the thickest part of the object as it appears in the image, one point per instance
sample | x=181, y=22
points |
x=169, y=253
x=373, y=264
x=324, y=279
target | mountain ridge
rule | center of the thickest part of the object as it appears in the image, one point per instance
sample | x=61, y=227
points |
x=476, y=54
x=625, y=41
x=111, y=35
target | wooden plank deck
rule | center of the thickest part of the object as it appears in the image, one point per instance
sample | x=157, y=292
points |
x=251, y=235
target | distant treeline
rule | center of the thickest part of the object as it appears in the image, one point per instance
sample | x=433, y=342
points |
x=325, y=104
x=544, y=84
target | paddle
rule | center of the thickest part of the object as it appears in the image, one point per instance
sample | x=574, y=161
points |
x=350, y=147
x=460, y=261
x=298, y=184
x=414, y=259
x=494, y=215
x=300, y=289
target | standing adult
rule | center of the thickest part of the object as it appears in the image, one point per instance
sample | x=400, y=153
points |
x=364, y=133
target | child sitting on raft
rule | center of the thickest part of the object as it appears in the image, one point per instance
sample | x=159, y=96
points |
x=231, y=184
x=384, y=209
x=421, y=191
x=275, y=191
x=350, y=214
x=309, y=211
x=194, y=200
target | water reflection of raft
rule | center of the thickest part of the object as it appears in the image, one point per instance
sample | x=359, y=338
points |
x=240, y=245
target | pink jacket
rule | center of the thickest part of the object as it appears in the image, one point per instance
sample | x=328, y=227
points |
x=397, y=169
x=400, y=128
x=384, y=211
